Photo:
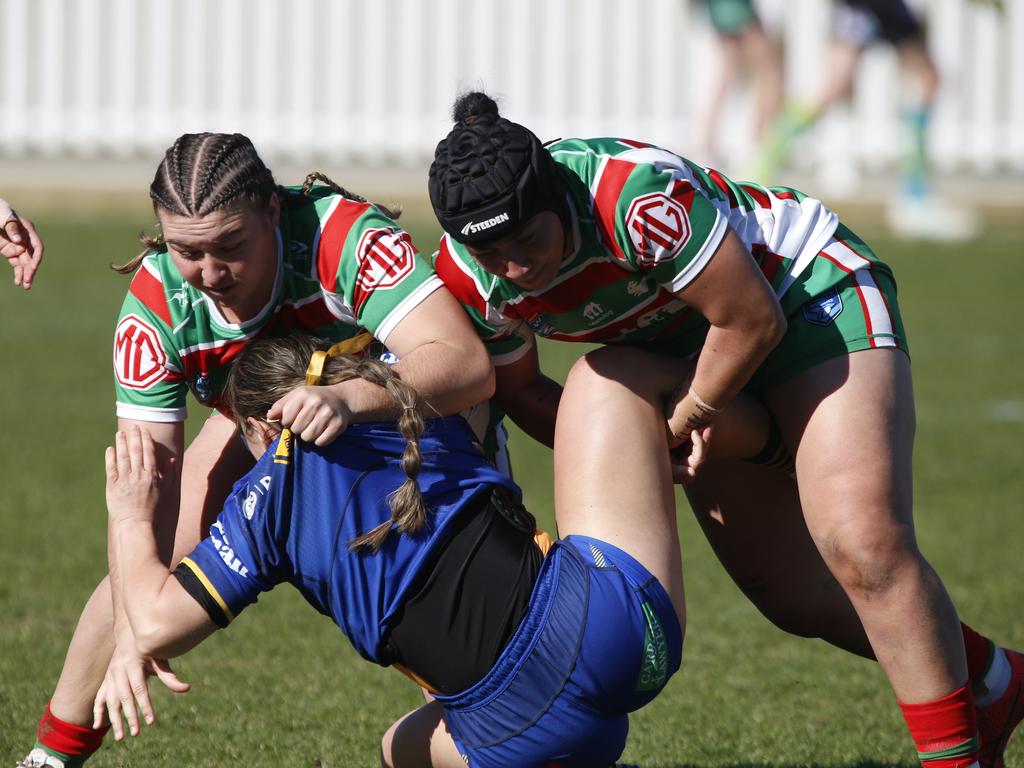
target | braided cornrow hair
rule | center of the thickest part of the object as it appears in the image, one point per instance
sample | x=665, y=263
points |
x=392, y=212
x=202, y=173
x=268, y=369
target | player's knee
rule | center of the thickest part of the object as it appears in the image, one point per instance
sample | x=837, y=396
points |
x=870, y=562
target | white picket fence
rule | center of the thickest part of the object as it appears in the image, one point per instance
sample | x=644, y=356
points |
x=373, y=80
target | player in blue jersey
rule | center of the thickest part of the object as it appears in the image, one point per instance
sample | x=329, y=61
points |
x=425, y=517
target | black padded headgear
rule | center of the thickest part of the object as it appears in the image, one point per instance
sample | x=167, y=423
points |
x=489, y=176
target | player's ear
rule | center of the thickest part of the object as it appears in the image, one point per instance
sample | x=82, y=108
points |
x=258, y=435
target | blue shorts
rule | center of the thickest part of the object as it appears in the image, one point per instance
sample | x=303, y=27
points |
x=600, y=639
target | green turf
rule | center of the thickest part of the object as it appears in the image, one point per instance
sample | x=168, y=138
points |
x=282, y=687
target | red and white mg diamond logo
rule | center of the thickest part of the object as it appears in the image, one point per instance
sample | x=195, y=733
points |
x=658, y=227
x=139, y=359
x=385, y=256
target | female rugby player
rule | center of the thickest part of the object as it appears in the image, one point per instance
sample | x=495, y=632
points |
x=425, y=558
x=239, y=257
x=620, y=242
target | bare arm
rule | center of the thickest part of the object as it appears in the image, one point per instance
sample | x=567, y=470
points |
x=439, y=355
x=164, y=618
x=746, y=324
x=529, y=397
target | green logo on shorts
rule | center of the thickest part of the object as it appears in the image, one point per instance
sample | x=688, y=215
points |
x=654, y=670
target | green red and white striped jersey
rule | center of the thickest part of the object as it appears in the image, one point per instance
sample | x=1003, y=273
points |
x=645, y=223
x=342, y=266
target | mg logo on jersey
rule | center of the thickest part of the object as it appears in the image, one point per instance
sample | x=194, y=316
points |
x=385, y=256
x=658, y=227
x=139, y=358
x=592, y=311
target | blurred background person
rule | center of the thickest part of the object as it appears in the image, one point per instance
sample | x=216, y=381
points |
x=743, y=48
x=915, y=210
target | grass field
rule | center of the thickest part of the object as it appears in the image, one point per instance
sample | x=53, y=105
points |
x=283, y=688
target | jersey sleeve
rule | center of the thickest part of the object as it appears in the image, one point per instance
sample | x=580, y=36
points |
x=369, y=271
x=148, y=381
x=505, y=339
x=653, y=215
x=240, y=558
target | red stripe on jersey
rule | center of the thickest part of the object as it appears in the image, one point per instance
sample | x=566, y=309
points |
x=865, y=310
x=462, y=286
x=570, y=294
x=634, y=144
x=616, y=329
x=150, y=291
x=829, y=256
x=332, y=241
x=784, y=194
x=770, y=262
x=606, y=199
x=200, y=360
x=723, y=185
x=307, y=317
x=759, y=197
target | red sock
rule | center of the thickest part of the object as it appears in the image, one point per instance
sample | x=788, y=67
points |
x=68, y=738
x=979, y=651
x=944, y=730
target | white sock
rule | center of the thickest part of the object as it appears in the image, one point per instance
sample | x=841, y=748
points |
x=996, y=680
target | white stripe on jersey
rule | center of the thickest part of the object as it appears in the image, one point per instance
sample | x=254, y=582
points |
x=407, y=305
x=845, y=256
x=876, y=309
x=314, y=267
x=150, y=267
x=149, y=413
x=692, y=270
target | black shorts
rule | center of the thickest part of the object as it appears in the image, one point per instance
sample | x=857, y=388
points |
x=860, y=22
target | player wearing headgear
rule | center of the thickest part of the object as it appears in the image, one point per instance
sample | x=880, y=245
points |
x=772, y=295
x=382, y=529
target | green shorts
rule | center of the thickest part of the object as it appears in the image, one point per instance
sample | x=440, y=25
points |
x=730, y=17
x=858, y=312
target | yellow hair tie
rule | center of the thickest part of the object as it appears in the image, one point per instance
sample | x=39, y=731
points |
x=352, y=346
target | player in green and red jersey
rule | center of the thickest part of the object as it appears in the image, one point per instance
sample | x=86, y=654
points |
x=239, y=258
x=621, y=242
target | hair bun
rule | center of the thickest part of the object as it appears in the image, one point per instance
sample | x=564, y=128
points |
x=473, y=105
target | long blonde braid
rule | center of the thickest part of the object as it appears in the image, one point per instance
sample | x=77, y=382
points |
x=268, y=369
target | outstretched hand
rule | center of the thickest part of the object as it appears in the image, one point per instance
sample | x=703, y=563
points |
x=20, y=244
x=125, y=690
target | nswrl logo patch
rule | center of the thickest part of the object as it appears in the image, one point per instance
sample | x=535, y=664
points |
x=823, y=309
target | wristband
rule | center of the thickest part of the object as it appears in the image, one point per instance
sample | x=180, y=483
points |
x=707, y=410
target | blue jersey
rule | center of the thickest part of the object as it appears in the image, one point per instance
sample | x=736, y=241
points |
x=292, y=517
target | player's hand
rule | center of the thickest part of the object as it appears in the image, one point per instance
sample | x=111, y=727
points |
x=124, y=694
x=20, y=244
x=134, y=481
x=313, y=414
x=682, y=416
x=687, y=458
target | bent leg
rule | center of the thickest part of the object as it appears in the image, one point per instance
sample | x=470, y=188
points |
x=612, y=476
x=752, y=518
x=852, y=419
x=420, y=739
